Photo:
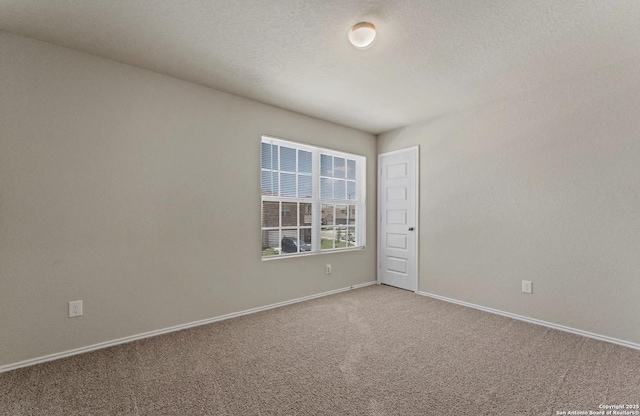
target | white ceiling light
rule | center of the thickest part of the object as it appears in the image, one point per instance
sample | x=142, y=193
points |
x=362, y=35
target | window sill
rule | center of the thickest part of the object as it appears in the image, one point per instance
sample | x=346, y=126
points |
x=315, y=253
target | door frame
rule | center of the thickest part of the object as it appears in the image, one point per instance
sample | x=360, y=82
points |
x=415, y=150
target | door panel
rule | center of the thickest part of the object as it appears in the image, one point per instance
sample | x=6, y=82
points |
x=398, y=219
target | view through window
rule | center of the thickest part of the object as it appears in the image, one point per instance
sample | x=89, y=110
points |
x=312, y=199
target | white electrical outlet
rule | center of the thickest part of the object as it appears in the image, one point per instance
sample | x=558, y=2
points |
x=526, y=286
x=75, y=308
x=328, y=269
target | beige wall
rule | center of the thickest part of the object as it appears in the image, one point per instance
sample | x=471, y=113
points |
x=543, y=187
x=139, y=194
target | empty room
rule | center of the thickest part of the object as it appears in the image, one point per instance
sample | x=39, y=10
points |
x=293, y=207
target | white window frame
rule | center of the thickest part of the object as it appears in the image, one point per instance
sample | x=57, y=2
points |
x=316, y=201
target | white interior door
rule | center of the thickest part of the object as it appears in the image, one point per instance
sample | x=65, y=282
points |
x=398, y=218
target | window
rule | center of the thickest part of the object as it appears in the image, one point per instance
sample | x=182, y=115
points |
x=312, y=199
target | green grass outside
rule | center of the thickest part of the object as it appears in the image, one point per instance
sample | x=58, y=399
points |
x=327, y=244
x=269, y=252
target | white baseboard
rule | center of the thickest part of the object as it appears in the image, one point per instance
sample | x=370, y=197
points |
x=131, y=338
x=536, y=321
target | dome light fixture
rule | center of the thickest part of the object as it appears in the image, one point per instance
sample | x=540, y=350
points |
x=362, y=35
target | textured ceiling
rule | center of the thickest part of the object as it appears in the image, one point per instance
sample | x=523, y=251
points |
x=431, y=57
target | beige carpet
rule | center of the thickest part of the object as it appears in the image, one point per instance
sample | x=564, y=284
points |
x=372, y=351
